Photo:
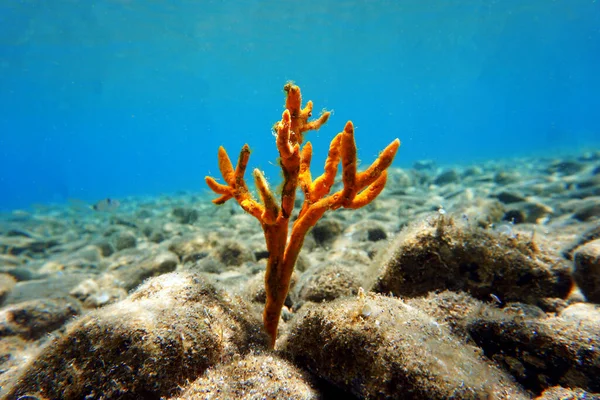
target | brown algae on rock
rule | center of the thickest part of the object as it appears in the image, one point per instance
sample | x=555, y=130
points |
x=170, y=330
x=447, y=254
x=256, y=376
x=381, y=347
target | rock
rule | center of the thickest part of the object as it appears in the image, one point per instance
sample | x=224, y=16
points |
x=35, y=318
x=143, y=214
x=588, y=210
x=514, y=217
x=424, y=165
x=587, y=236
x=540, y=352
x=166, y=333
x=186, y=215
x=253, y=377
x=326, y=231
x=444, y=254
x=24, y=274
x=89, y=253
x=125, y=240
x=131, y=274
x=190, y=248
x=452, y=309
x=399, y=178
x=472, y=171
x=233, y=253
x=8, y=260
x=589, y=181
x=51, y=287
x=376, y=234
x=327, y=283
x=377, y=347
x=119, y=220
x=22, y=245
x=98, y=293
x=7, y=283
x=208, y=264
x=551, y=188
x=366, y=231
x=561, y=393
x=85, y=289
x=587, y=270
x=15, y=353
x=106, y=248
x=480, y=211
x=583, y=314
x=510, y=197
x=157, y=236
x=506, y=177
x=590, y=156
x=446, y=177
x=529, y=211
x=565, y=167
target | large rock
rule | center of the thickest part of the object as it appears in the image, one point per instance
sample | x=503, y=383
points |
x=34, y=318
x=253, y=377
x=167, y=332
x=587, y=270
x=442, y=254
x=541, y=351
x=379, y=347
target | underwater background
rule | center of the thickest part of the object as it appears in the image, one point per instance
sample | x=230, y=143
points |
x=114, y=98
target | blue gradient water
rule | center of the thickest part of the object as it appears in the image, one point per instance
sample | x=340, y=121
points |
x=116, y=98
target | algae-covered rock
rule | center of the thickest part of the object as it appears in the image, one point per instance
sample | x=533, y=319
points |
x=233, y=253
x=186, y=215
x=125, y=240
x=442, y=254
x=561, y=393
x=253, y=377
x=527, y=211
x=326, y=231
x=52, y=287
x=446, y=177
x=327, y=283
x=211, y=254
x=452, y=309
x=380, y=347
x=541, y=351
x=7, y=283
x=167, y=332
x=131, y=275
x=94, y=293
x=190, y=247
x=131, y=267
x=34, y=318
x=587, y=270
x=15, y=352
x=479, y=211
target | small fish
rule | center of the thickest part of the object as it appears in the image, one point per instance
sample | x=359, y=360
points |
x=106, y=205
x=496, y=299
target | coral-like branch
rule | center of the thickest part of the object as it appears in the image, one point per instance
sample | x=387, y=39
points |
x=359, y=189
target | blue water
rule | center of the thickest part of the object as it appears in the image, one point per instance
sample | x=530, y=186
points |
x=130, y=97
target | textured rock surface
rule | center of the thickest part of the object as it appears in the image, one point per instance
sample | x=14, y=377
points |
x=541, y=351
x=587, y=270
x=380, y=347
x=254, y=377
x=168, y=331
x=445, y=254
x=507, y=289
